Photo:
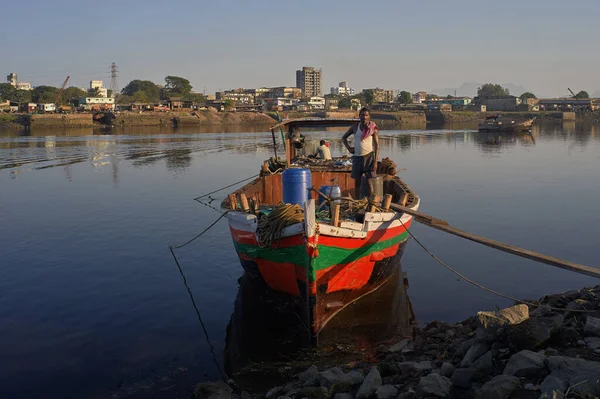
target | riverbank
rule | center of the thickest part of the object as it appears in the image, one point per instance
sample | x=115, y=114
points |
x=547, y=349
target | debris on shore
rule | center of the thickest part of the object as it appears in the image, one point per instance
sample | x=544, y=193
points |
x=550, y=350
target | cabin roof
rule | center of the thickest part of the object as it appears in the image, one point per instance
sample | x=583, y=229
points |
x=316, y=122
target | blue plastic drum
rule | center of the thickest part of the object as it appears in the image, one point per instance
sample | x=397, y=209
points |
x=295, y=183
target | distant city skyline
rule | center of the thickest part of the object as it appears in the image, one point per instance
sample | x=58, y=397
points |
x=543, y=47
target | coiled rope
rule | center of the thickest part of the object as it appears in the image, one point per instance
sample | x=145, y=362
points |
x=270, y=227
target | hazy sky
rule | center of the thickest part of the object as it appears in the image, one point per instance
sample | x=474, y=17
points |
x=545, y=46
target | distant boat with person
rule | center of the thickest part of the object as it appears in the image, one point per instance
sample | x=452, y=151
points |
x=498, y=123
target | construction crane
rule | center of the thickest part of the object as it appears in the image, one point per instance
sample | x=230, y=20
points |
x=571, y=91
x=62, y=89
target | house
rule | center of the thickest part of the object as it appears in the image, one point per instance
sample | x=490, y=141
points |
x=419, y=97
x=97, y=103
x=457, y=103
x=499, y=103
x=177, y=103
x=47, y=107
x=331, y=103
x=316, y=102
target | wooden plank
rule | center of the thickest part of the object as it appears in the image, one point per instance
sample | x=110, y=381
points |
x=442, y=225
x=387, y=201
x=328, y=230
x=379, y=216
x=244, y=202
x=351, y=225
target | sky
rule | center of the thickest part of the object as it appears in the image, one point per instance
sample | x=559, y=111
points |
x=543, y=46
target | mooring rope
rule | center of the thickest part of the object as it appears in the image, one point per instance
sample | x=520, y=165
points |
x=212, y=348
x=223, y=188
x=491, y=291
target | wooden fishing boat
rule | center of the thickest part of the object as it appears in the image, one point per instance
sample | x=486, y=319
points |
x=319, y=264
x=498, y=123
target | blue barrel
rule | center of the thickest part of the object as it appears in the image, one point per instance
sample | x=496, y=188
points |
x=335, y=193
x=295, y=183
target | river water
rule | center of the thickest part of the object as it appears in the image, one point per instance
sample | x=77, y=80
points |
x=93, y=305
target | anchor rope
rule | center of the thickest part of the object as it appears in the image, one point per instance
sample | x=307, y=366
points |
x=491, y=291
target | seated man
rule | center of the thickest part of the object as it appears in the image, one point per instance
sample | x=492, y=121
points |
x=323, y=152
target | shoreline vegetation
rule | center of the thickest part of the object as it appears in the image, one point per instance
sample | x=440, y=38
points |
x=254, y=119
x=549, y=348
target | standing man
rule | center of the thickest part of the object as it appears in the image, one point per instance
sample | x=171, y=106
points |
x=365, y=150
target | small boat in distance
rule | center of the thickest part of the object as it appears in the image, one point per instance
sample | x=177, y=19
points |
x=498, y=123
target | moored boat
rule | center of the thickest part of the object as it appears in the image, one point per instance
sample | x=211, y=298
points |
x=498, y=123
x=317, y=260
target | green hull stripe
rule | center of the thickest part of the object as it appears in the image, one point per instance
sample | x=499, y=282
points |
x=295, y=255
x=330, y=256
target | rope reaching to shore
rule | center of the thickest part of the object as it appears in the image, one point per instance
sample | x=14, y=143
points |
x=223, y=188
x=271, y=226
x=491, y=291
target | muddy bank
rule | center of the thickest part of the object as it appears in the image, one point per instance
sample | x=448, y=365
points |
x=547, y=349
x=415, y=117
x=468, y=116
x=195, y=118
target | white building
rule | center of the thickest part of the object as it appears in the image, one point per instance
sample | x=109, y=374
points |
x=316, y=102
x=89, y=103
x=97, y=84
x=11, y=78
x=49, y=107
x=342, y=90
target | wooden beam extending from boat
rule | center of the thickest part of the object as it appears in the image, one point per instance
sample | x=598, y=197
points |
x=444, y=226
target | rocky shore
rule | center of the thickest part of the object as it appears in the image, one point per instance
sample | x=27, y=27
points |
x=550, y=350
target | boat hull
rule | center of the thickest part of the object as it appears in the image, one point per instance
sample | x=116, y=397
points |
x=320, y=275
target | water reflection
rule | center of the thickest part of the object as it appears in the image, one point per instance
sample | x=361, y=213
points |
x=262, y=336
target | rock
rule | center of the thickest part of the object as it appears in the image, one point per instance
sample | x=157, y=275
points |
x=335, y=375
x=310, y=374
x=343, y=395
x=581, y=376
x=489, y=322
x=483, y=365
x=552, y=395
x=386, y=392
x=531, y=387
x=592, y=326
x=355, y=377
x=464, y=347
x=474, y=353
x=462, y=377
x=552, y=384
x=541, y=310
x=414, y=367
x=370, y=384
x=399, y=346
x=592, y=342
x=450, y=333
x=527, y=364
x=213, y=390
x=447, y=369
x=410, y=394
x=534, y=333
x=310, y=392
x=499, y=387
x=434, y=385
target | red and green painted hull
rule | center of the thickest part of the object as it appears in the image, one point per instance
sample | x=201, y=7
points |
x=322, y=274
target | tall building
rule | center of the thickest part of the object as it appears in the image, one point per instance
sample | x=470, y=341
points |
x=309, y=80
x=98, y=84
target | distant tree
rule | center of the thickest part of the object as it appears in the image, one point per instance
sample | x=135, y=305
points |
x=431, y=96
x=7, y=91
x=369, y=96
x=95, y=92
x=109, y=93
x=195, y=97
x=582, y=94
x=449, y=96
x=22, y=96
x=229, y=104
x=140, y=96
x=72, y=94
x=527, y=95
x=152, y=90
x=405, y=97
x=492, y=90
x=345, y=103
x=123, y=99
x=177, y=87
x=44, y=94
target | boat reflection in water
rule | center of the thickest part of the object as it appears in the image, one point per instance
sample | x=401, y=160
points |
x=264, y=337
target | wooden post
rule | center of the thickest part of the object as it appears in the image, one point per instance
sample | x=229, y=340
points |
x=335, y=215
x=387, y=200
x=403, y=199
x=244, y=202
x=274, y=142
x=375, y=200
x=232, y=201
x=265, y=167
